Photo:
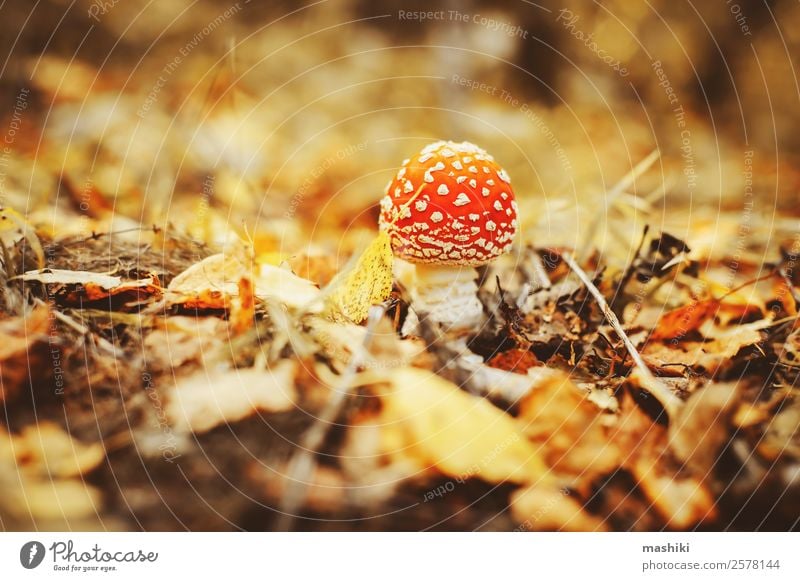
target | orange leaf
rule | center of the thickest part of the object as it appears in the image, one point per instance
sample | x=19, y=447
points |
x=678, y=322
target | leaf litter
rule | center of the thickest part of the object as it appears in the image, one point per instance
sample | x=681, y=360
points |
x=145, y=368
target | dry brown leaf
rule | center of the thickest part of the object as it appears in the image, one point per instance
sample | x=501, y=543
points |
x=40, y=472
x=705, y=356
x=213, y=282
x=209, y=284
x=178, y=339
x=47, y=450
x=22, y=350
x=677, y=323
x=77, y=286
x=682, y=500
x=566, y=427
x=782, y=434
x=281, y=285
x=202, y=401
x=701, y=427
x=547, y=509
x=431, y=420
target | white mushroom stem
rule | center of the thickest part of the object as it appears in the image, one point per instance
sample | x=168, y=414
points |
x=447, y=295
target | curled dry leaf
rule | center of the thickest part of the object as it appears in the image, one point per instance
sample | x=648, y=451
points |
x=209, y=284
x=76, y=287
x=205, y=400
x=22, y=350
x=368, y=283
x=281, y=285
x=213, y=282
x=432, y=421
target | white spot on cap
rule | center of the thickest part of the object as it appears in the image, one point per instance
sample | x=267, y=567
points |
x=408, y=187
x=438, y=167
x=461, y=179
x=425, y=157
x=473, y=183
x=461, y=200
x=473, y=169
x=504, y=195
x=466, y=159
x=504, y=176
x=421, y=205
x=437, y=217
x=486, y=169
x=474, y=217
x=486, y=192
x=491, y=226
x=457, y=165
x=428, y=177
x=498, y=206
x=490, y=182
x=447, y=152
x=442, y=190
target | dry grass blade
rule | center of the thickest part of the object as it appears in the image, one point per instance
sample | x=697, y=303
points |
x=614, y=193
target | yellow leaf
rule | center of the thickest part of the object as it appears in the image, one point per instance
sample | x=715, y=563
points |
x=367, y=284
x=14, y=227
x=461, y=435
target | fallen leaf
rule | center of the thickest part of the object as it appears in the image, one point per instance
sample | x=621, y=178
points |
x=681, y=498
x=76, y=287
x=516, y=360
x=701, y=427
x=207, y=399
x=677, y=323
x=281, y=285
x=567, y=429
x=545, y=509
x=433, y=421
x=179, y=339
x=23, y=350
x=40, y=475
x=368, y=283
x=209, y=284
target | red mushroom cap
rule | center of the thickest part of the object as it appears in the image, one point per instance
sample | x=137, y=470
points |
x=462, y=209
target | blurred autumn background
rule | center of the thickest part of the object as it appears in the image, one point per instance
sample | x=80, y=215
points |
x=184, y=127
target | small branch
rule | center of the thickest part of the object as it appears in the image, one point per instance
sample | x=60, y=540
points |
x=650, y=382
x=301, y=467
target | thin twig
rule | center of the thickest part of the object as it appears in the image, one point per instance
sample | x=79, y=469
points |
x=300, y=470
x=650, y=382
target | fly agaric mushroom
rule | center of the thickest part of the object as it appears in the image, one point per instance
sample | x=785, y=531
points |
x=450, y=208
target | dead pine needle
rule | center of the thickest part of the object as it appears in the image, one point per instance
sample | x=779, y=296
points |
x=670, y=402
